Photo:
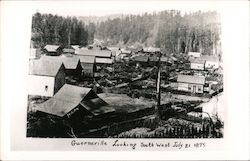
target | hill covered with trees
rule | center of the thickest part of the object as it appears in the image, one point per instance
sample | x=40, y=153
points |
x=169, y=30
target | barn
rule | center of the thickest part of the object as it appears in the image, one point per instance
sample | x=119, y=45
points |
x=76, y=104
x=72, y=64
x=45, y=77
x=192, y=84
x=52, y=50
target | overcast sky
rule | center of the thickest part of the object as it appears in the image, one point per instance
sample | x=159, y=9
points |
x=102, y=8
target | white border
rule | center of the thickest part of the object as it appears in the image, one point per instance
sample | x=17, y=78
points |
x=15, y=37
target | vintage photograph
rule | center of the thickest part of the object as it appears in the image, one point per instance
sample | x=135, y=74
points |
x=155, y=74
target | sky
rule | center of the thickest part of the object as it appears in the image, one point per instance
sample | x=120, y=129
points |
x=103, y=8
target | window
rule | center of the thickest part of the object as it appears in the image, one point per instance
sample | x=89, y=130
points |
x=46, y=87
x=199, y=88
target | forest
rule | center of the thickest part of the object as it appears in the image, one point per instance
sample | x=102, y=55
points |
x=170, y=30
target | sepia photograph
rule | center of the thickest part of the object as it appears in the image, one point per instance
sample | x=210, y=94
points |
x=150, y=75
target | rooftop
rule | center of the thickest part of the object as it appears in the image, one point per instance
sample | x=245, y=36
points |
x=87, y=59
x=104, y=60
x=70, y=96
x=69, y=62
x=94, y=52
x=51, y=48
x=44, y=67
x=191, y=79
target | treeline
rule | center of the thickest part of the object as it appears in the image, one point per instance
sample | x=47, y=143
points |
x=53, y=29
x=169, y=30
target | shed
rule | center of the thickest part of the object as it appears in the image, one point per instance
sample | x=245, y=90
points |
x=45, y=77
x=74, y=103
x=189, y=83
x=53, y=50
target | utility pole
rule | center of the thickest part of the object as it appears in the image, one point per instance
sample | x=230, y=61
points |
x=158, y=90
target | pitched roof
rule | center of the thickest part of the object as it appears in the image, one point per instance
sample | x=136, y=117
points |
x=104, y=60
x=69, y=62
x=70, y=96
x=94, y=52
x=67, y=98
x=191, y=79
x=68, y=50
x=44, y=67
x=51, y=48
x=141, y=58
x=87, y=59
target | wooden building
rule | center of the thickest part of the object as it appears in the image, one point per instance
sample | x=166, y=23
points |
x=76, y=104
x=52, y=50
x=197, y=64
x=192, y=84
x=94, y=52
x=88, y=65
x=72, y=64
x=45, y=77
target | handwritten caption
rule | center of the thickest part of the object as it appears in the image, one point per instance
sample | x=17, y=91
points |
x=139, y=144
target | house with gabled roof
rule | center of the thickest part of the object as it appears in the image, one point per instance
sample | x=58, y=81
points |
x=73, y=103
x=197, y=64
x=88, y=64
x=45, y=77
x=190, y=83
x=72, y=64
x=52, y=50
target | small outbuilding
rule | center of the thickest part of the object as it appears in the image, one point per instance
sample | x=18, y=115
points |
x=52, y=50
